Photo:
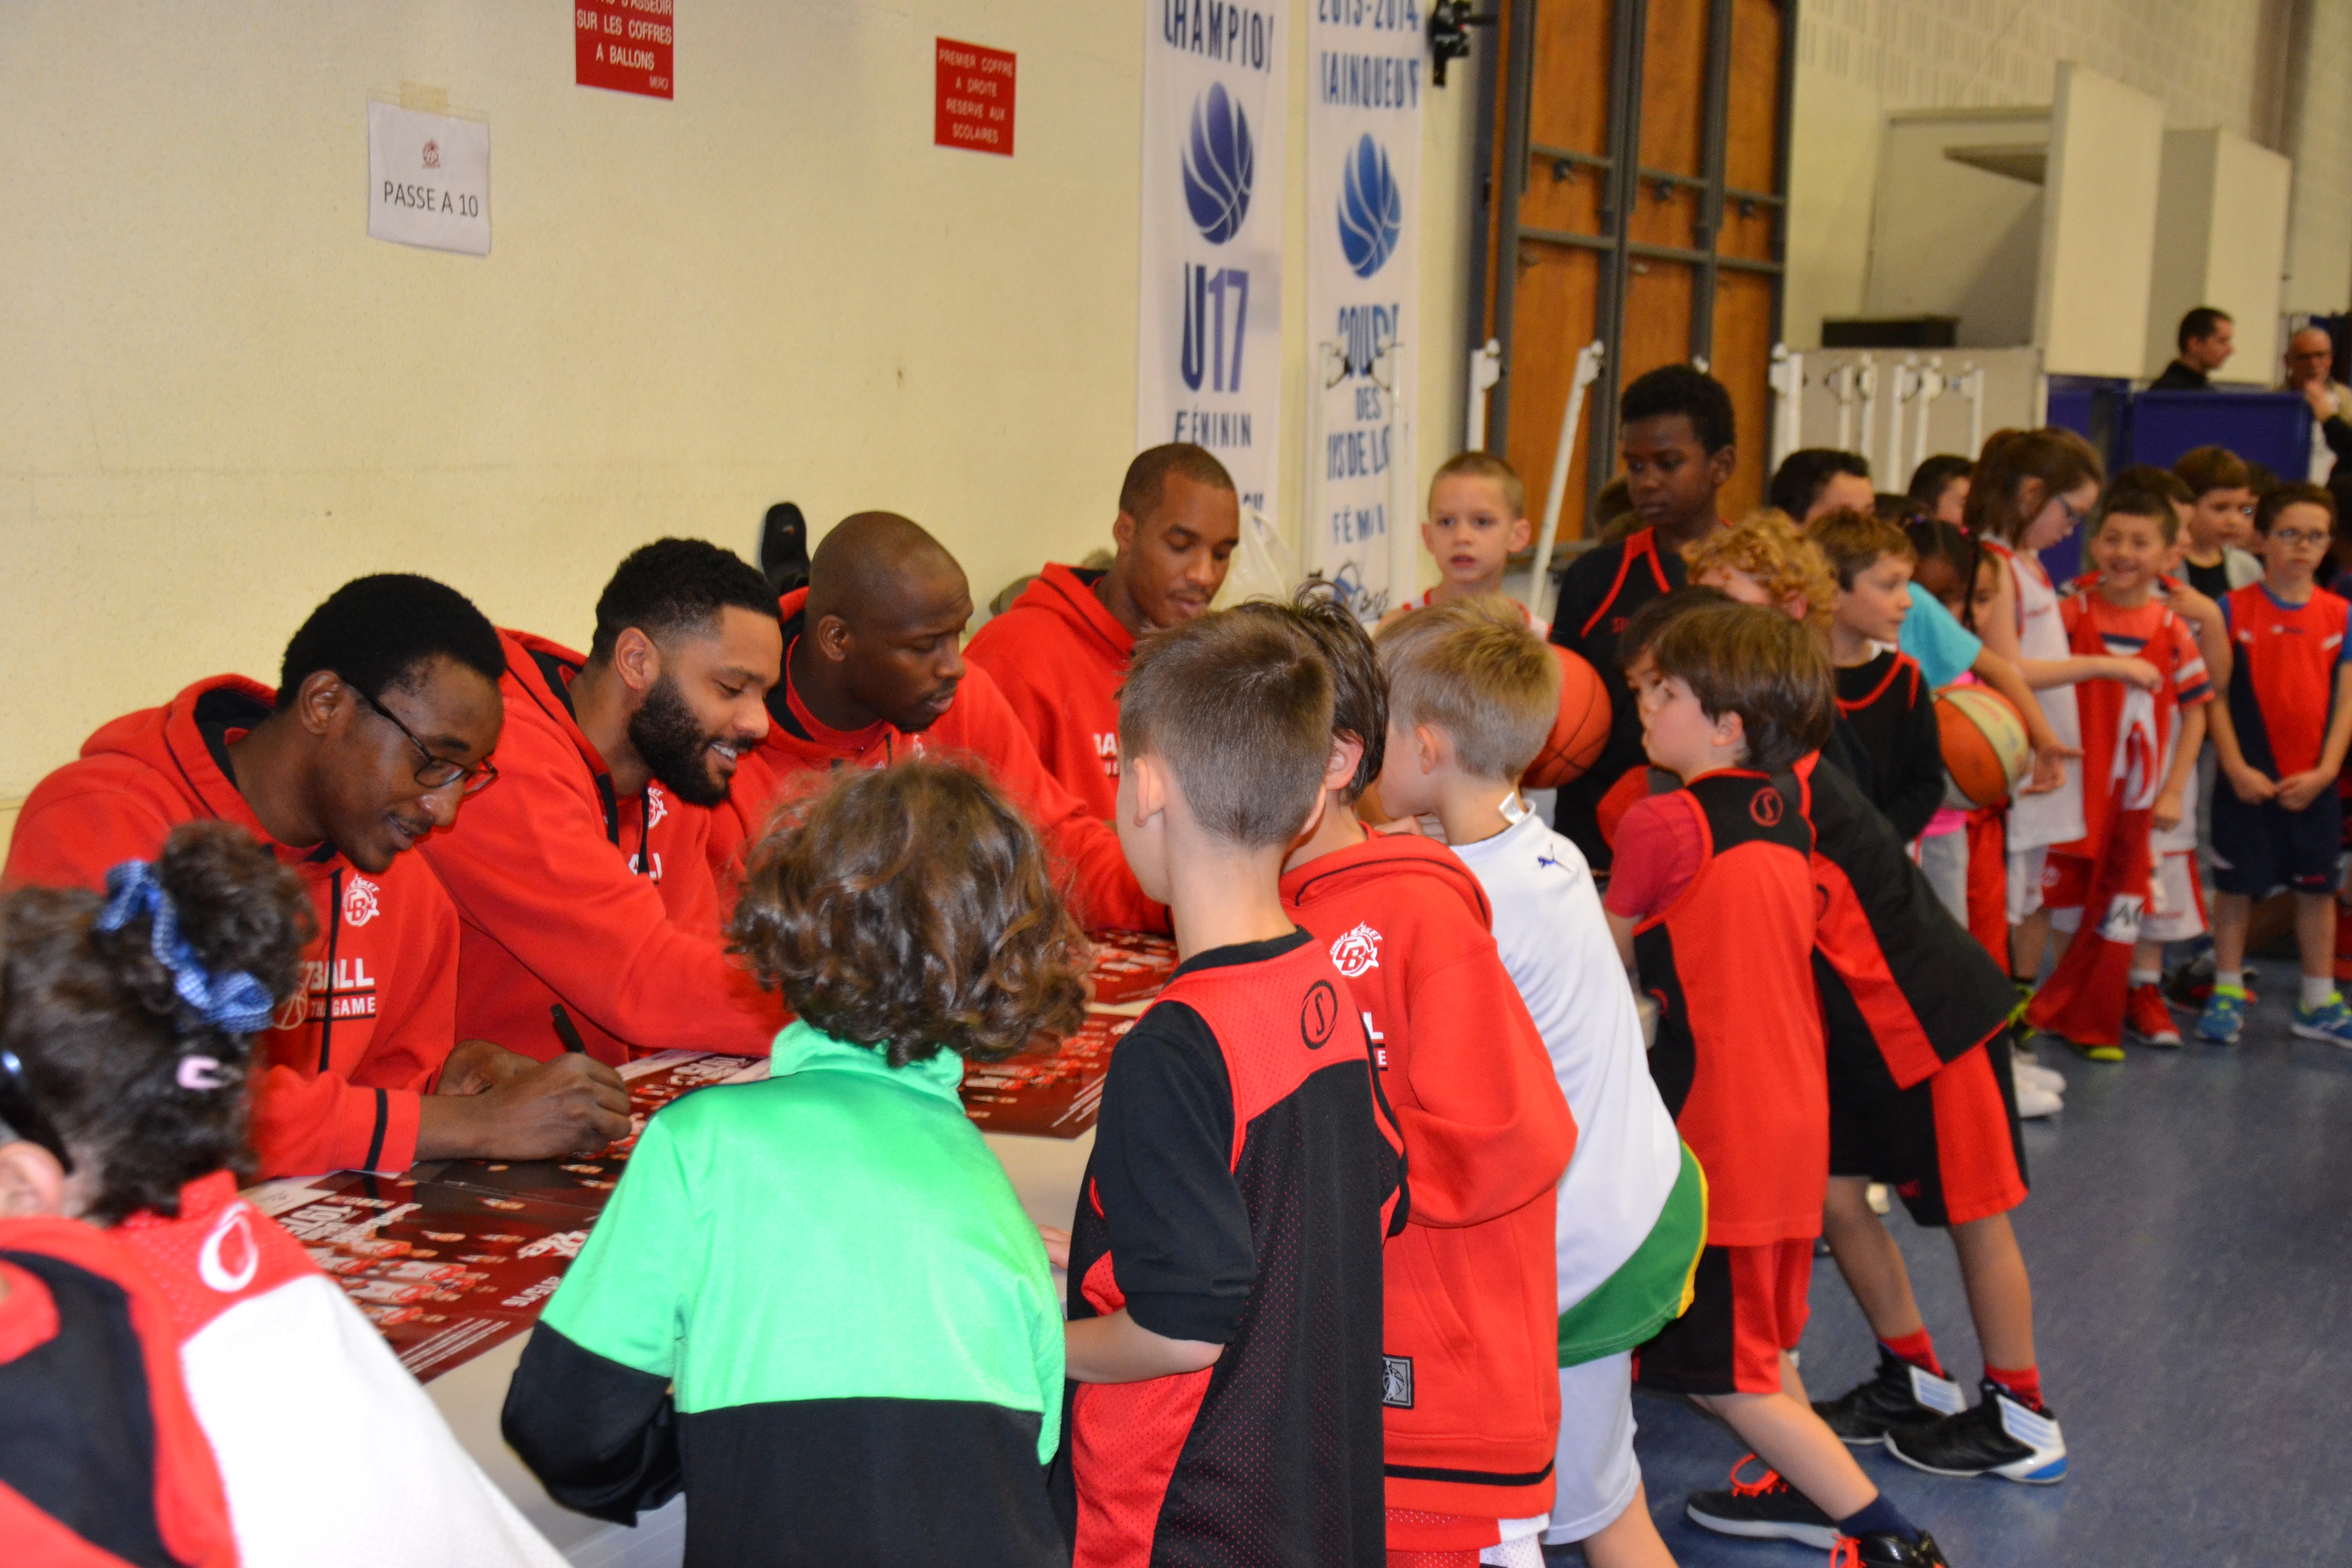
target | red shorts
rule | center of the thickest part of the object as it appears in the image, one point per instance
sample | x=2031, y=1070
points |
x=1749, y=1304
x=1949, y=1145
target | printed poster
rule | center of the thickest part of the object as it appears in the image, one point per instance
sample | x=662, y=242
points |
x=1215, y=114
x=1366, y=72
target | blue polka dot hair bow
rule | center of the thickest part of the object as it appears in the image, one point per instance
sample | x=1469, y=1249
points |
x=234, y=1002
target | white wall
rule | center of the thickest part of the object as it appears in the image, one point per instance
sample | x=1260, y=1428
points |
x=221, y=398
x=1949, y=238
x=2098, y=237
x=2221, y=225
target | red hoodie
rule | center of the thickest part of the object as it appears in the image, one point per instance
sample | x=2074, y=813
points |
x=981, y=727
x=341, y=1070
x=569, y=895
x=1058, y=656
x=1487, y=1135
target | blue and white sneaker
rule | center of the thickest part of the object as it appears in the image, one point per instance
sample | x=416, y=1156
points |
x=1998, y=1437
x=2330, y=1021
x=2224, y=1017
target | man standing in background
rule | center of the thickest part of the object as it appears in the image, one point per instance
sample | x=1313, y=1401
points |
x=2310, y=370
x=2206, y=340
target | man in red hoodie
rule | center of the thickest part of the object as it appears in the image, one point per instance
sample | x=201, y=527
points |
x=1471, y=1387
x=1060, y=651
x=383, y=719
x=583, y=881
x=873, y=671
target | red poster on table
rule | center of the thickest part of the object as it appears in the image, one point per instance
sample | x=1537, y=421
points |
x=623, y=45
x=975, y=98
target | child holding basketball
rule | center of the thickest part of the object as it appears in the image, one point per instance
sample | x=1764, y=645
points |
x=2282, y=739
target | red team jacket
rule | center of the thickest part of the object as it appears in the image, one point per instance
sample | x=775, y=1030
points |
x=341, y=1070
x=980, y=727
x=1058, y=656
x=1471, y=1283
x=569, y=894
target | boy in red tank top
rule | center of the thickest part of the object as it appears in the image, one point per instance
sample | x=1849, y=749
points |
x=1713, y=899
x=1224, y=1333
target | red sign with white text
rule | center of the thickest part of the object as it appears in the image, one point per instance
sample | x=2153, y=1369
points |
x=975, y=98
x=625, y=45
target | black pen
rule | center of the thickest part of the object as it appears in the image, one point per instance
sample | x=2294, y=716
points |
x=564, y=1030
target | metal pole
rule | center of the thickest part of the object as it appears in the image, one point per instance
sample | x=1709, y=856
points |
x=1509, y=181
x=1588, y=371
x=1486, y=370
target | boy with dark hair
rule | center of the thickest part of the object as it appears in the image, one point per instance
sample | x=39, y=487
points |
x=1815, y=479
x=583, y=881
x=2282, y=738
x=1940, y=484
x=1675, y=436
x=867, y=1300
x=1058, y=651
x=1472, y=1409
x=1880, y=689
x=2221, y=521
x=1226, y=1329
x=2206, y=341
x=1714, y=900
x=380, y=728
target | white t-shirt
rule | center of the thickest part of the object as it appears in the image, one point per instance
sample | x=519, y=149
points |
x=1555, y=942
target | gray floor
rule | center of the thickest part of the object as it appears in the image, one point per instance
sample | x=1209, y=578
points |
x=2190, y=1240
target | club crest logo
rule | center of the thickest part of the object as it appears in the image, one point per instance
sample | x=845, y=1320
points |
x=1766, y=807
x=360, y=901
x=1318, y=1015
x=230, y=1257
x=656, y=807
x=433, y=154
x=1372, y=209
x=1220, y=165
x=1357, y=951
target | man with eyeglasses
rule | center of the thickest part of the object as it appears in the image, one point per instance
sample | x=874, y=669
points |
x=582, y=881
x=383, y=721
x=2310, y=370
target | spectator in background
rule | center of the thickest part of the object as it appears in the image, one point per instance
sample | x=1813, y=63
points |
x=2207, y=339
x=2310, y=370
x=1819, y=480
x=1940, y=484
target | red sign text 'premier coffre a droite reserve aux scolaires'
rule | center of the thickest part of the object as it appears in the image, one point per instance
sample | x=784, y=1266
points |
x=975, y=98
x=626, y=45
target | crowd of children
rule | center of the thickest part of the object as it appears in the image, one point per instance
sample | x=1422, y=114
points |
x=1390, y=1206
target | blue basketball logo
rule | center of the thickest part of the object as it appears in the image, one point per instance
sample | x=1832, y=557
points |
x=1372, y=209
x=1218, y=164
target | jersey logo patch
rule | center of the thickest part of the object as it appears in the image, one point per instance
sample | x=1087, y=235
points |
x=360, y=902
x=1357, y=951
x=656, y=807
x=1396, y=1382
x=230, y=1255
x=1765, y=807
x=1318, y=1015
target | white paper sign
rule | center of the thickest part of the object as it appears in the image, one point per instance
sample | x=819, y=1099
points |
x=1216, y=113
x=1365, y=72
x=429, y=180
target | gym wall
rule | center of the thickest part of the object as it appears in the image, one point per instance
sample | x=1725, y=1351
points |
x=221, y=398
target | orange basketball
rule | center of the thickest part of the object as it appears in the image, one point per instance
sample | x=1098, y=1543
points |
x=1985, y=749
x=1579, y=732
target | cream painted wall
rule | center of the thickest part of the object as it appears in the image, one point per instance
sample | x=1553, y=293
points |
x=2098, y=229
x=221, y=398
x=2222, y=220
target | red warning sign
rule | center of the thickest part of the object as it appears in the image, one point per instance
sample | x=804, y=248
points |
x=975, y=98
x=625, y=45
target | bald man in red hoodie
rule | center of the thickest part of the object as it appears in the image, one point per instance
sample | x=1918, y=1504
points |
x=1059, y=652
x=583, y=881
x=384, y=720
x=1472, y=1402
x=873, y=672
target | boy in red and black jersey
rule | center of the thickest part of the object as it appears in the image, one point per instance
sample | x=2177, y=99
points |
x=1714, y=901
x=1675, y=439
x=1881, y=694
x=1224, y=1267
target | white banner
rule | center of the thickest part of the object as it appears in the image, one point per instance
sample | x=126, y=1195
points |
x=1366, y=70
x=429, y=179
x=1215, y=109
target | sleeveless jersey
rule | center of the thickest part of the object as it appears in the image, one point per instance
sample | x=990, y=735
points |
x=1273, y=1455
x=2036, y=821
x=1739, y=1058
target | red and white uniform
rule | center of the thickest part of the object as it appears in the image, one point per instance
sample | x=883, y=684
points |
x=2038, y=821
x=343, y=1065
x=1057, y=656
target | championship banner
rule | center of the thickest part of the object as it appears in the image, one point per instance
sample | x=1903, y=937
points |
x=1209, y=362
x=1364, y=83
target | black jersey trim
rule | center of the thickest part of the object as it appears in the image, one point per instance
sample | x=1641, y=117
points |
x=1239, y=953
x=1466, y=1478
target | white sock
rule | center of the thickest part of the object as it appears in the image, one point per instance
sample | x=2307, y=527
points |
x=2148, y=977
x=2317, y=989
x=2235, y=979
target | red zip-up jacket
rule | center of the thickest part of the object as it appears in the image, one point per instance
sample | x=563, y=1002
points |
x=1058, y=656
x=568, y=894
x=340, y=1072
x=1487, y=1135
x=979, y=727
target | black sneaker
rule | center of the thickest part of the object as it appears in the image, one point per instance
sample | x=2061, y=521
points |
x=1901, y=1394
x=1887, y=1551
x=1998, y=1438
x=1766, y=1510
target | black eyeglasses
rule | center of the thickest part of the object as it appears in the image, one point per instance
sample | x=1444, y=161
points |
x=19, y=1110
x=437, y=773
